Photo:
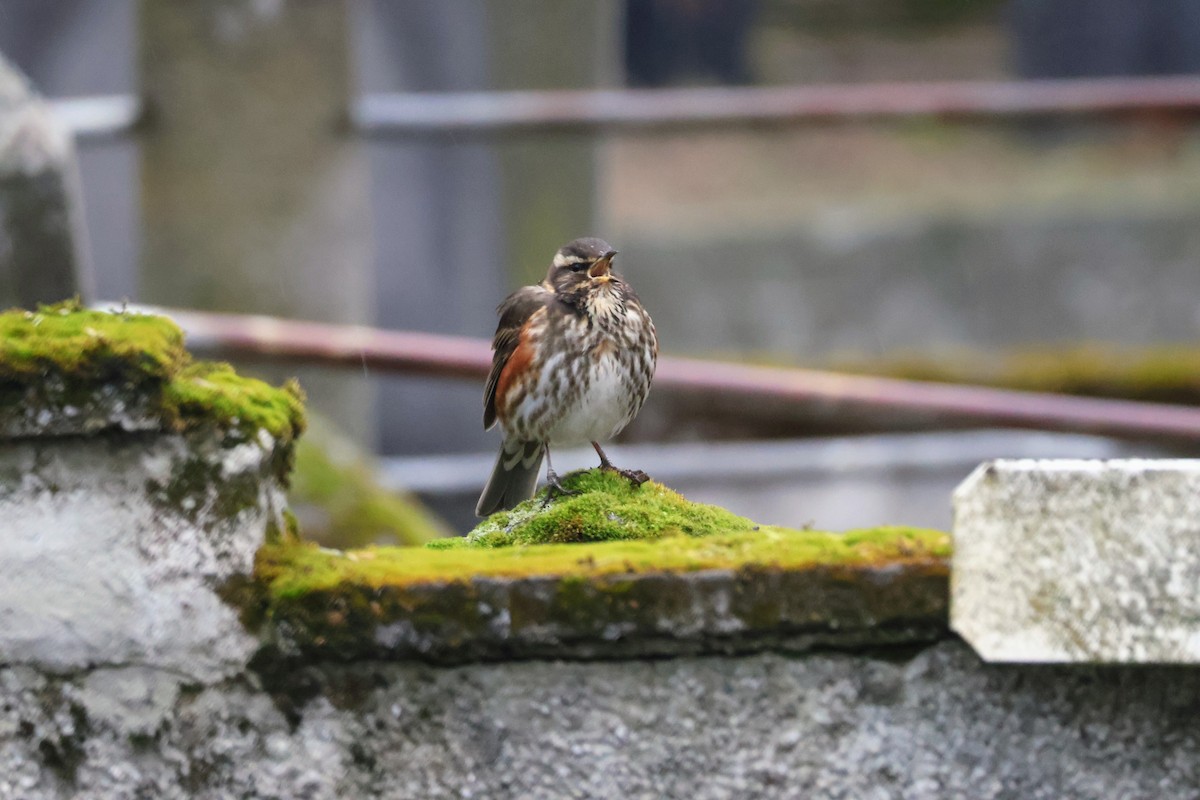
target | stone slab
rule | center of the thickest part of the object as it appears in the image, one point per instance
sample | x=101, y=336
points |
x=1079, y=561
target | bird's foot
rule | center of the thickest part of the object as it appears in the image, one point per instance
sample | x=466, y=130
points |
x=555, y=489
x=635, y=476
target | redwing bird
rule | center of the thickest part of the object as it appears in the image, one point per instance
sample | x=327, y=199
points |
x=574, y=357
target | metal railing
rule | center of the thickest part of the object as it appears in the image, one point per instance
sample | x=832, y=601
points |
x=807, y=393
x=615, y=110
x=812, y=394
x=434, y=114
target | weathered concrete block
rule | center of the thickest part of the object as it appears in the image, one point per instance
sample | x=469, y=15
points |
x=135, y=485
x=1079, y=561
x=115, y=548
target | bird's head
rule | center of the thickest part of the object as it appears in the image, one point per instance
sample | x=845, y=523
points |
x=581, y=265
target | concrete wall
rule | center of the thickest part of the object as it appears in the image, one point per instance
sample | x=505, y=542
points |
x=136, y=661
x=930, y=723
x=950, y=283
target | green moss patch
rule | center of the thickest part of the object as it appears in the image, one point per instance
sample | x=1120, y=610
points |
x=728, y=592
x=74, y=362
x=214, y=392
x=608, y=507
x=336, y=495
x=86, y=344
x=610, y=527
x=292, y=569
x=1165, y=374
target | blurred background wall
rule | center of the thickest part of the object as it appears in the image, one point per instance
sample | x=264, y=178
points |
x=245, y=187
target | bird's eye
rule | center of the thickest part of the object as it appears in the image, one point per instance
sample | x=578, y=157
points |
x=579, y=266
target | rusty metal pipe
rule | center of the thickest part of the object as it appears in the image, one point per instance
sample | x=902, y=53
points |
x=261, y=338
x=451, y=113
x=816, y=393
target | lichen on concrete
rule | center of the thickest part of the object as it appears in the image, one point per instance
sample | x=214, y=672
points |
x=616, y=608
x=113, y=547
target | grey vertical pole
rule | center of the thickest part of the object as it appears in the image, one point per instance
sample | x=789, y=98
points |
x=461, y=221
x=42, y=253
x=254, y=193
x=439, y=242
x=551, y=181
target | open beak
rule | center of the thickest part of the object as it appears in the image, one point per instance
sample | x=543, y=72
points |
x=603, y=265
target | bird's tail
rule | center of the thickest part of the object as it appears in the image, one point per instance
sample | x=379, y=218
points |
x=513, y=479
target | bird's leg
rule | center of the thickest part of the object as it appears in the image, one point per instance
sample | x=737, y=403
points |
x=634, y=476
x=556, y=489
x=604, y=462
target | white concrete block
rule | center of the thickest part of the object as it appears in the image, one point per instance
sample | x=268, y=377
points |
x=115, y=548
x=1079, y=561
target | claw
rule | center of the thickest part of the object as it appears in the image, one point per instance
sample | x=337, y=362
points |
x=635, y=476
x=555, y=489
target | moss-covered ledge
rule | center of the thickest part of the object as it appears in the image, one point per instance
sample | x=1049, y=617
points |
x=67, y=370
x=615, y=571
x=133, y=483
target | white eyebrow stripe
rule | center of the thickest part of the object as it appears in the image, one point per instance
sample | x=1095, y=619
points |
x=563, y=260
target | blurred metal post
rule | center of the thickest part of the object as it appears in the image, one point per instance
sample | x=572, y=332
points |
x=550, y=183
x=459, y=222
x=81, y=55
x=1088, y=38
x=254, y=197
x=42, y=253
